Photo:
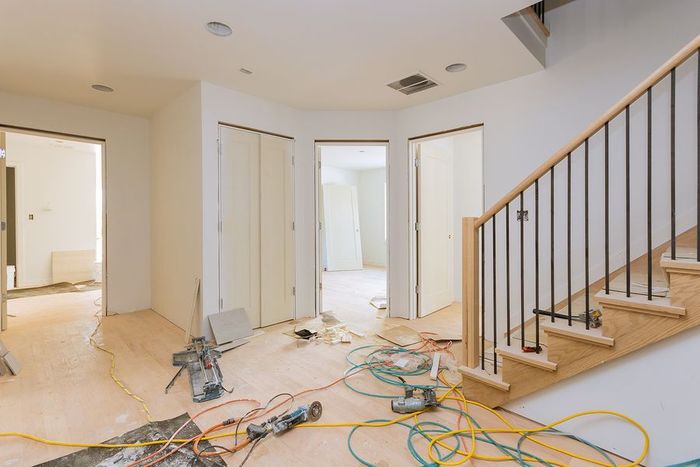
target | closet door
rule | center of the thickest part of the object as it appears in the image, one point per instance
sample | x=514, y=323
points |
x=276, y=230
x=239, y=242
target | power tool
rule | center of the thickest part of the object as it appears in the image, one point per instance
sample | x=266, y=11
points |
x=278, y=425
x=411, y=402
x=595, y=317
x=205, y=375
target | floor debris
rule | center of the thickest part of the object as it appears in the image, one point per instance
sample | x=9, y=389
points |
x=401, y=335
x=101, y=457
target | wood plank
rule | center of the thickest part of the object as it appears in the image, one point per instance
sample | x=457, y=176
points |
x=470, y=291
x=528, y=358
x=680, y=57
x=658, y=306
x=477, y=374
x=578, y=333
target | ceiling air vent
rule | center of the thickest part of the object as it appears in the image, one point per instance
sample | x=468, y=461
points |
x=412, y=84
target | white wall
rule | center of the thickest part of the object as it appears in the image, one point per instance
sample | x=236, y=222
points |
x=127, y=185
x=56, y=184
x=598, y=51
x=468, y=190
x=370, y=194
x=337, y=176
x=176, y=197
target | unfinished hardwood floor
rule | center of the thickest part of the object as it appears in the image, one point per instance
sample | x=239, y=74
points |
x=65, y=392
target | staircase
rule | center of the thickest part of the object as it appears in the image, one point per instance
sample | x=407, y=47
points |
x=511, y=265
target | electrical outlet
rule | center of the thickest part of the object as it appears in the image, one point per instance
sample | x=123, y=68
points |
x=522, y=215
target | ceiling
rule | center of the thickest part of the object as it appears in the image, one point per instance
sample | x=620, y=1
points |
x=309, y=54
x=354, y=157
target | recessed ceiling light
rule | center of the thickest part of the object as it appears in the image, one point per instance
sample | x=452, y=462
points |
x=245, y=71
x=456, y=67
x=219, y=29
x=102, y=88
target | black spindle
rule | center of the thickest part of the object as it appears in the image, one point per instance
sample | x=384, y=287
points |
x=607, y=211
x=585, y=221
x=551, y=240
x=537, y=265
x=522, y=271
x=673, y=164
x=628, y=272
x=508, y=273
x=483, y=298
x=568, y=235
x=495, y=337
x=649, y=186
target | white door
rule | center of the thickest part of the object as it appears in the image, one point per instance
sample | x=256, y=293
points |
x=276, y=230
x=342, y=228
x=239, y=243
x=3, y=236
x=435, y=229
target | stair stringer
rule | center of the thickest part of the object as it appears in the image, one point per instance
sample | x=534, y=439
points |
x=630, y=329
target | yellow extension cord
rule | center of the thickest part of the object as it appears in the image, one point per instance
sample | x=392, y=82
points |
x=433, y=439
x=113, y=372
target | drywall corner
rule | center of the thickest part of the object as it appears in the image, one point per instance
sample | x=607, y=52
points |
x=176, y=200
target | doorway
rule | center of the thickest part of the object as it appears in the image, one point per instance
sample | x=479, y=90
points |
x=447, y=185
x=352, y=255
x=53, y=212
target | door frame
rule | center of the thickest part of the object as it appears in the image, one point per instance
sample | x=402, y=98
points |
x=413, y=246
x=218, y=198
x=5, y=128
x=318, y=189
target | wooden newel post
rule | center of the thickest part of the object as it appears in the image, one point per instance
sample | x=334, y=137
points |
x=470, y=291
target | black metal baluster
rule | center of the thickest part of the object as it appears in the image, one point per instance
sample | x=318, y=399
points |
x=495, y=337
x=537, y=265
x=585, y=216
x=673, y=164
x=649, y=186
x=607, y=211
x=508, y=273
x=483, y=297
x=522, y=272
x=551, y=241
x=628, y=272
x=568, y=234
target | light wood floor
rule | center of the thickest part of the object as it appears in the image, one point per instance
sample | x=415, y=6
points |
x=64, y=391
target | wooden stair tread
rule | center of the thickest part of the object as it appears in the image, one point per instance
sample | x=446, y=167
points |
x=682, y=264
x=482, y=376
x=577, y=331
x=658, y=306
x=538, y=360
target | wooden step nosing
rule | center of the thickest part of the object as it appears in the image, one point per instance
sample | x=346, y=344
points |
x=475, y=374
x=680, y=267
x=580, y=336
x=527, y=359
x=626, y=304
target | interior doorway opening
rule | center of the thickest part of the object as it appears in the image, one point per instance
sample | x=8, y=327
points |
x=53, y=210
x=353, y=230
x=447, y=185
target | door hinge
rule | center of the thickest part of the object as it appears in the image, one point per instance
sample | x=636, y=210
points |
x=417, y=290
x=221, y=304
x=416, y=162
x=3, y=226
x=293, y=226
x=320, y=226
x=417, y=226
x=292, y=160
x=320, y=286
x=2, y=153
x=294, y=291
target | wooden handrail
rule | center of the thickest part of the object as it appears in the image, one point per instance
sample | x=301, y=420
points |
x=615, y=110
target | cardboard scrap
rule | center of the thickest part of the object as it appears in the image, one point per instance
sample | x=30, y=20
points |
x=401, y=335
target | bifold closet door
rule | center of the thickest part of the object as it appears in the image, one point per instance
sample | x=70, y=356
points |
x=239, y=212
x=276, y=230
x=256, y=269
